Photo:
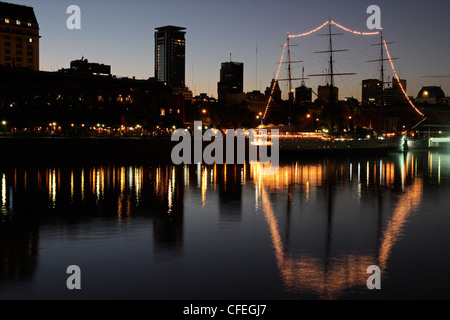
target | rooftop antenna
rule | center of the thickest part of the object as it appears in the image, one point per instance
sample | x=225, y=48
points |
x=230, y=55
x=256, y=81
x=303, y=76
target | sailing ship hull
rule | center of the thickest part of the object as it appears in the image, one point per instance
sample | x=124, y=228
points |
x=389, y=144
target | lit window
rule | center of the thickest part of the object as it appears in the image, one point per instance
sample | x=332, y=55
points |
x=30, y=40
x=163, y=112
x=18, y=22
x=6, y=20
x=29, y=24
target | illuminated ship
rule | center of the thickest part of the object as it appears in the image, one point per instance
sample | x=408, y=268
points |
x=291, y=139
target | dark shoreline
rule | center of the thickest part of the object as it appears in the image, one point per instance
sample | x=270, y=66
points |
x=66, y=149
x=88, y=150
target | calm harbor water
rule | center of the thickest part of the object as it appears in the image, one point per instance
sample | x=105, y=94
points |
x=158, y=231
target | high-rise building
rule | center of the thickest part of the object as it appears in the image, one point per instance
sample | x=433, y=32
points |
x=393, y=96
x=231, y=79
x=19, y=37
x=303, y=94
x=371, y=91
x=328, y=94
x=276, y=94
x=170, y=55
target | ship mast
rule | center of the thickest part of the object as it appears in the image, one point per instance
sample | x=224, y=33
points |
x=381, y=60
x=331, y=72
x=290, y=78
x=291, y=93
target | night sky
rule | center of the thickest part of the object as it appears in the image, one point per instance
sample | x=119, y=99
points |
x=121, y=34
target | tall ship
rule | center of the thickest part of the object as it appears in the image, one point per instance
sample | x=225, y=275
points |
x=331, y=138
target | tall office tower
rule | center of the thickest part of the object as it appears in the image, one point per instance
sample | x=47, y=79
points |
x=170, y=55
x=371, y=91
x=19, y=37
x=231, y=79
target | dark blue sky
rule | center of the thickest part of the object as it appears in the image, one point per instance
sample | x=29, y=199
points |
x=121, y=34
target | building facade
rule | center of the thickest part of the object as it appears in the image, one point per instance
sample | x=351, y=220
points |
x=170, y=55
x=430, y=95
x=83, y=66
x=303, y=94
x=19, y=37
x=36, y=98
x=231, y=80
x=328, y=94
x=276, y=94
x=371, y=92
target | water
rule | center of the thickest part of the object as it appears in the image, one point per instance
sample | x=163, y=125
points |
x=228, y=232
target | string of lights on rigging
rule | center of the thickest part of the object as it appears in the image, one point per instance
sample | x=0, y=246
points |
x=345, y=29
x=398, y=80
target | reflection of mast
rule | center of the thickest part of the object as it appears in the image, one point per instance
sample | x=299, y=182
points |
x=304, y=273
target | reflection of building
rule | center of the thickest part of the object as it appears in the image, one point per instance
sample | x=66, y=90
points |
x=18, y=252
x=170, y=55
x=229, y=179
x=231, y=81
x=19, y=37
x=167, y=208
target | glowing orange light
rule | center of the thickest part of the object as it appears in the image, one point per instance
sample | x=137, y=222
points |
x=353, y=31
x=398, y=80
x=309, y=32
x=275, y=80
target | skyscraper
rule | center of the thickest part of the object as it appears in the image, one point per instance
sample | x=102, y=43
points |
x=231, y=79
x=371, y=91
x=170, y=55
x=19, y=37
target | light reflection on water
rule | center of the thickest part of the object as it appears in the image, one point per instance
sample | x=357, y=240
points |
x=323, y=221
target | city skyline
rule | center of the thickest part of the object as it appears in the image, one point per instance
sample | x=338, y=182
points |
x=215, y=28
